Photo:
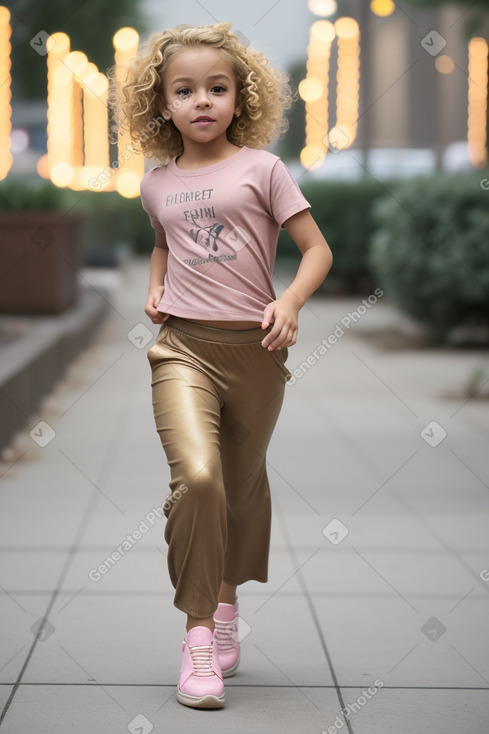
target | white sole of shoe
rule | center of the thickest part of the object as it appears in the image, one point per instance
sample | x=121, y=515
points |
x=204, y=702
x=230, y=671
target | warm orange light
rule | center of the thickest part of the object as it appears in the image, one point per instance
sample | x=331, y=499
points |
x=310, y=89
x=312, y=156
x=382, y=8
x=59, y=44
x=96, y=120
x=76, y=61
x=477, y=102
x=346, y=28
x=60, y=99
x=444, y=64
x=126, y=46
x=6, y=158
x=322, y=7
x=43, y=166
x=322, y=31
x=127, y=184
x=78, y=125
x=126, y=40
x=314, y=89
x=62, y=174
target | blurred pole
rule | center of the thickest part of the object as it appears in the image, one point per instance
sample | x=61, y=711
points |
x=364, y=127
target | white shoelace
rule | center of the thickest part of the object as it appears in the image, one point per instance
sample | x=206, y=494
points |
x=226, y=633
x=202, y=659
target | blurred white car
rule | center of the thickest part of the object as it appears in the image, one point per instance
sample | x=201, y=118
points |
x=385, y=163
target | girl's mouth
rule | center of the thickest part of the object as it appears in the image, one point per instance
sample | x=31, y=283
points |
x=203, y=121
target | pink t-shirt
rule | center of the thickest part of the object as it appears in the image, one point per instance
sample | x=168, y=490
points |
x=221, y=224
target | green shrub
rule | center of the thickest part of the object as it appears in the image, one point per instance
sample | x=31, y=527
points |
x=342, y=210
x=16, y=195
x=108, y=218
x=111, y=219
x=430, y=250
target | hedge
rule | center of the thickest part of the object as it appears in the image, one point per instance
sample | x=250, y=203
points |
x=109, y=219
x=424, y=241
x=343, y=212
x=430, y=250
x=341, y=209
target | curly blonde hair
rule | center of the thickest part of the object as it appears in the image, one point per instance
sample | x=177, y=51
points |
x=263, y=93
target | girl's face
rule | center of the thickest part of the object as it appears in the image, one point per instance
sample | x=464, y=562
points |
x=200, y=89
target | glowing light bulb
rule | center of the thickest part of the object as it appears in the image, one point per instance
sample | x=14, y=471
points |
x=322, y=7
x=310, y=89
x=382, y=8
x=312, y=157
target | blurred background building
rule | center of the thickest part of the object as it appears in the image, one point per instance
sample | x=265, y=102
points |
x=387, y=139
x=412, y=81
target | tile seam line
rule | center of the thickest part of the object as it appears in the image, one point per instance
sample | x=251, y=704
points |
x=254, y=685
x=68, y=561
x=94, y=498
x=321, y=594
x=314, y=615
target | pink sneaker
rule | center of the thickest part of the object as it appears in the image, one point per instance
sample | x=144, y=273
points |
x=226, y=619
x=200, y=683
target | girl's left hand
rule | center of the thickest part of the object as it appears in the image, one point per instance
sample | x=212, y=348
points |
x=284, y=314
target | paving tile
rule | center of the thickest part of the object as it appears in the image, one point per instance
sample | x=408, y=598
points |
x=410, y=711
x=5, y=689
x=19, y=614
x=400, y=599
x=393, y=641
x=112, y=709
x=398, y=573
x=31, y=571
x=137, y=640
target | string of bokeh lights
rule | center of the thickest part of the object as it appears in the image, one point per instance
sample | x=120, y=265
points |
x=78, y=152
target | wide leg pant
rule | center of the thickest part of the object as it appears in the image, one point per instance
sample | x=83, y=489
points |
x=217, y=394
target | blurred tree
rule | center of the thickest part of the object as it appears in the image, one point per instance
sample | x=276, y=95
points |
x=90, y=26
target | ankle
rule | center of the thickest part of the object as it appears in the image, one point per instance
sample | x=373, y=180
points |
x=227, y=600
x=227, y=594
x=199, y=622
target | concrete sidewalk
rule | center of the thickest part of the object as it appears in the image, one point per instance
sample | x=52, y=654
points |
x=377, y=600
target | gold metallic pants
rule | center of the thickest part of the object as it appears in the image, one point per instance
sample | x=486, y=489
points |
x=217, y=394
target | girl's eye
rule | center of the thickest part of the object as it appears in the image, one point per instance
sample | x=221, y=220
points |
x=183, y=92
x=218, y=88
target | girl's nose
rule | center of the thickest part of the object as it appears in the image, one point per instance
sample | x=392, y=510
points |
x=202, y=99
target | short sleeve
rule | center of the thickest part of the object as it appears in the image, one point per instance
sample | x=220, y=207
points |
x=286, y=198
x=146, y=205
x=155, y=222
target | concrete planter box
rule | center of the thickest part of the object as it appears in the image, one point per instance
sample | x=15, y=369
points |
x=40, y=255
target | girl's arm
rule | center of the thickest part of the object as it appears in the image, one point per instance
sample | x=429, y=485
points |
x=316, y=262
x=157, y=271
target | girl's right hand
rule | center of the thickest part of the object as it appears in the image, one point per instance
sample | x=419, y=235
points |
x=154, y=297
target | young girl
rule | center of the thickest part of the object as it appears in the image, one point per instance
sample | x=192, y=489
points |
x=203, y=105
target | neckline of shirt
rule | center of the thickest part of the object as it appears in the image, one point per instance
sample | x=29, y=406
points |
x=182, y=172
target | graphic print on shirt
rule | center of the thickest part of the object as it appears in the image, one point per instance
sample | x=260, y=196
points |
x=205, y=236
x=204, y=230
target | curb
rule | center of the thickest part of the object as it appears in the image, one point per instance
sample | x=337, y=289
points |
x=36, y=361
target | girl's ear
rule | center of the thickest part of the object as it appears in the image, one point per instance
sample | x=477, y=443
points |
x=237, y=111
